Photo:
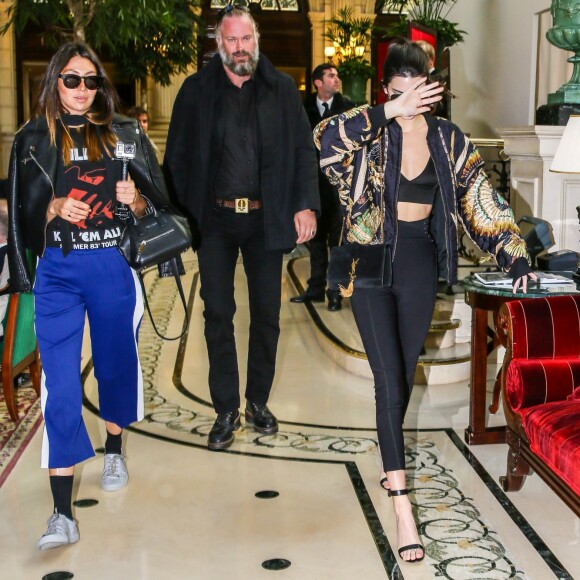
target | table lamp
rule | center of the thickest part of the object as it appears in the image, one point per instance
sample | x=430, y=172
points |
x=567, y=157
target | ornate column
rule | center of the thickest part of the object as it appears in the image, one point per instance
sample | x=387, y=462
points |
x=161, y=99
x=318, y=21
x=8, y=93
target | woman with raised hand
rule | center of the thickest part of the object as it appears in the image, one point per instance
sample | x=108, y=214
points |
x=409, y=180
x=65, y=187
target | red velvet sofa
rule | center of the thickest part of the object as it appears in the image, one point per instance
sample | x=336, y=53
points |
x=541, y=393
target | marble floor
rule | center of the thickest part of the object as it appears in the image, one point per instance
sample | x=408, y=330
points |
x=304, y=504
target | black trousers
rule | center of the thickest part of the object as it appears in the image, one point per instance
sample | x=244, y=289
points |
x=328, y=227
x=393, y=323
x=227, y=235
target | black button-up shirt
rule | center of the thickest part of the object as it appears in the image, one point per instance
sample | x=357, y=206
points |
x=239, y=168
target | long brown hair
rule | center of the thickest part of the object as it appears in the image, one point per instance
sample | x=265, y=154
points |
x=100, y=114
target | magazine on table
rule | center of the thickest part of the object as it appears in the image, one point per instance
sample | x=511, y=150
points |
x=501, y=279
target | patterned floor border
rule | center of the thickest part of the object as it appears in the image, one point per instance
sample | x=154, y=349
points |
x=460, y=543
x=18, y=441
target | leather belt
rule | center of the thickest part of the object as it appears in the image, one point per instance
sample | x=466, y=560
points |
x=240, y=204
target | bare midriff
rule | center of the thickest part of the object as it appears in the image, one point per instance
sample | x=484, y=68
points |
x=412, y=212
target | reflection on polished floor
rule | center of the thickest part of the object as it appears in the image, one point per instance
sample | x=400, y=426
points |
x=193, y=514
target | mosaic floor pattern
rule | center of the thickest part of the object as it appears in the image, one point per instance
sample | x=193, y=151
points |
x=460, y=539
x=307, y=498
x=15, y=436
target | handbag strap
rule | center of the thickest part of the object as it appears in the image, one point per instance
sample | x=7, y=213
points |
x=175, y=273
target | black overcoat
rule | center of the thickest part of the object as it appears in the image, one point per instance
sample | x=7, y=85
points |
x=288, y=163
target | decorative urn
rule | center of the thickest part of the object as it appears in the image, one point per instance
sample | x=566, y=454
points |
x=565, y=34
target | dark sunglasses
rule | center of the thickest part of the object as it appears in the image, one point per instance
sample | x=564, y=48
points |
x=228, y=9
x=92, y=82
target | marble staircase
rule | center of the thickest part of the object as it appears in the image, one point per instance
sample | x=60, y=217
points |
x=447, y=356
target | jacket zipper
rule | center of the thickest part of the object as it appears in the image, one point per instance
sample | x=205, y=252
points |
x=51, y=199
x=397, y=198
x=445, y=212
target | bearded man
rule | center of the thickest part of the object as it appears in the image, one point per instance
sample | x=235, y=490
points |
x=241, y=162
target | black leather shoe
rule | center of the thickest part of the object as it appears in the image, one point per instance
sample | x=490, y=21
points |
x=308, y=296
x=334, y=303
x=260, y=418
x=221, y=435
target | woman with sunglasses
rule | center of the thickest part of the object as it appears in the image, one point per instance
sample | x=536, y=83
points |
x=408, y=179
x=66, y=196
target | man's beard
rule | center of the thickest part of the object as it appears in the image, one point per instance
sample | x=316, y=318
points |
x=242, y=69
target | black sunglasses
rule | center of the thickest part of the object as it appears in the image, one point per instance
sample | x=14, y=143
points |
x=92, y=82
x=230, y=8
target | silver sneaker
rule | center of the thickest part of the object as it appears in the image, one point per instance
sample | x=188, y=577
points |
x=115, y=475
x=60, y=532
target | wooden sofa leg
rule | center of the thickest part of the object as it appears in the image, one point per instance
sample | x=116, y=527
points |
x=496, y=393
x=517, y=470
x=8, y=388
x=35, y=374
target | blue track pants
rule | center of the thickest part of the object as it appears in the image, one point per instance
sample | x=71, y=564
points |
x=98, y=285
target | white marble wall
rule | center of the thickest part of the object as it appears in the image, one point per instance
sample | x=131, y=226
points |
x=535, y=189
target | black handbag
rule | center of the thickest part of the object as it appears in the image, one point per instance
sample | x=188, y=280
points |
x=154, y=239
x=357, y=266
x=157, y=239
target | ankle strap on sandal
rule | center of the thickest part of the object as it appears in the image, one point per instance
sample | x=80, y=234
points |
x=392, y=492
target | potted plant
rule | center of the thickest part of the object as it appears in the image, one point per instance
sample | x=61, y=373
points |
x=351, y=38
x=430, y=13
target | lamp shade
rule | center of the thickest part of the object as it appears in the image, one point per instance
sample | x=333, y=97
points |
x=329, y=51
x=567, y=157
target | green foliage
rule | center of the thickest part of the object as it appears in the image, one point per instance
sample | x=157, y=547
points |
x=53, y=16
x=144, y=37
x=448, y=32
x=346, y=33
x=430, y=13
x=355, y=67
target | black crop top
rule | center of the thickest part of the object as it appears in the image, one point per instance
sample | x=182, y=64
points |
x=422, y=189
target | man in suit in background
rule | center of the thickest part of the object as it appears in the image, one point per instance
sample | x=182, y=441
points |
x=325, y=102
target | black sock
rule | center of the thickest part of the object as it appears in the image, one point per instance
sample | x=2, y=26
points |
x=113, y=443
x=61, y=487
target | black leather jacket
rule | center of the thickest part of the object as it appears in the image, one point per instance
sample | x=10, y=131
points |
x=31, y=180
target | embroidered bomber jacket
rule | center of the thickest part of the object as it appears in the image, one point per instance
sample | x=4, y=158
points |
x=360, y=153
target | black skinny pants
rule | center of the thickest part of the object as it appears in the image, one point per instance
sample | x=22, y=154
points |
x=393, y=323
x=227, y=235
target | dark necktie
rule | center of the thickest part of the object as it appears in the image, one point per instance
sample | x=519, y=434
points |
x=326, y=110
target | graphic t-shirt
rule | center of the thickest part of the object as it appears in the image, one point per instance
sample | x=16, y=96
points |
x=86, y=181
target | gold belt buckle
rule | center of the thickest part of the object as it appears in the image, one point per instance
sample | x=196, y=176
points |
x=242, y=205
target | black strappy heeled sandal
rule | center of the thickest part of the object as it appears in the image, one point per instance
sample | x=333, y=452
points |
x=383, y=481
x=398, y=492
